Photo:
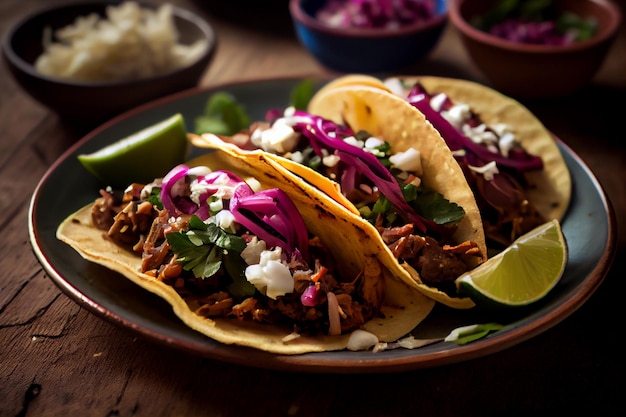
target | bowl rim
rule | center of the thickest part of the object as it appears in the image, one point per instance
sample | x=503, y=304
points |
x=478, y=35
x=300, y=16
x=12, y=56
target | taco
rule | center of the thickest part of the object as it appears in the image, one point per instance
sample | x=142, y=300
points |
x=244, y=263
x=414, y=200
x=511, y=161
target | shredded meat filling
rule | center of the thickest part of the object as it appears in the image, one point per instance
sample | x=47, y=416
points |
x=436, y=263
x=141, y=227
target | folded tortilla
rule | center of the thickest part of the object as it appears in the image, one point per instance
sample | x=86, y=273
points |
x=354, y=100
x=384, y=115
x=355, y=251
x=549, y=189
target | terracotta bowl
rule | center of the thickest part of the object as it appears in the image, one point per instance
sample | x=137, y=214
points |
x=365, y=50
x=90, y=103
x=533, y=71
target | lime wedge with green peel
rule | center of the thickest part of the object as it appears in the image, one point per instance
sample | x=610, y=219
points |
x=521, y=274
x=141, y=157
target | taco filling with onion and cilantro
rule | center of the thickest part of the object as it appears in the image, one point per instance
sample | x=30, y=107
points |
x=414, y=200
x=243, y=262
x=510, y=160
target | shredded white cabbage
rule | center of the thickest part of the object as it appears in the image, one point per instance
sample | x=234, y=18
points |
x=130, y=43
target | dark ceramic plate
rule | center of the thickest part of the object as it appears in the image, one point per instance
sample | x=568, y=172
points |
x=589, y=228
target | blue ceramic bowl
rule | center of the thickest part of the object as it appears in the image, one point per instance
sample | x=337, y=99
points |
x=365, y=50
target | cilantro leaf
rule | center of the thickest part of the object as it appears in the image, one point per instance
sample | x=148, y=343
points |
x=428, y=203
x=432, y=205
x=223, y=115
x=301, y=94
x=210, y=233
x=203, y=248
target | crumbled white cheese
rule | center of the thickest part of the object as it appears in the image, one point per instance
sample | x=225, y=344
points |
x=372, y=145
x=480, y=134
x=457, y=115
x=497, y=138
x=351, y=140
x=270, y=275
x=488, y=170
x=331, y=160
x=296, y=156
x=252, y=252
x=396, y=86
x=256, y=136
x=409, y=160
x=506, y=143
x=436, y=102
x=280, y=138
x=224, y=219
x=501, y=128
x=373, y=142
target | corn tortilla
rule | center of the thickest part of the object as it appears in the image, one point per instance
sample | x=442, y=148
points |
x=403, y=307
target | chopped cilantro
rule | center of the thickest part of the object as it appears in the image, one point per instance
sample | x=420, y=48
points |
x=428, y=203
x=155, y=197
x=381, y=206
x=206, y=247
x=432, y=205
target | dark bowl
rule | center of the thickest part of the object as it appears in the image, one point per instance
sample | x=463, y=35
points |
x=90, y=103
x=365, y=50
x=537, y=71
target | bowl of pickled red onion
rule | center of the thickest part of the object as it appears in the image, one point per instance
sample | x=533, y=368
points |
x=552, y=51
x=368, y=36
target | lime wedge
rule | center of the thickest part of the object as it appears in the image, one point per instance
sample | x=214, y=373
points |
x=521, y=274
x=141, y=157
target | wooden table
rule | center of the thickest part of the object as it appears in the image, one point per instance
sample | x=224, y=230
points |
x=58, y=359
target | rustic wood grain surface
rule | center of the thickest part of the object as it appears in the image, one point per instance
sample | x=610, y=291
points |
x=57, y=359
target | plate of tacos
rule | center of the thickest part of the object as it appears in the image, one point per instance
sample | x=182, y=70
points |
x=326, y=278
